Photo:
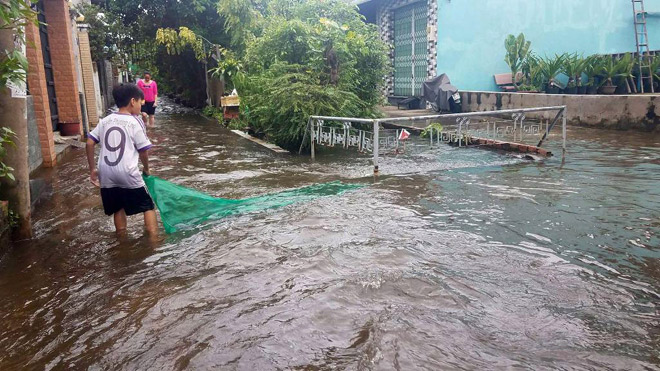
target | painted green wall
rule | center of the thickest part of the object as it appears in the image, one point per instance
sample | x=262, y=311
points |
x=471, y=32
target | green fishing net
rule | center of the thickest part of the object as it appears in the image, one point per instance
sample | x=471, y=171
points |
x=182, y=207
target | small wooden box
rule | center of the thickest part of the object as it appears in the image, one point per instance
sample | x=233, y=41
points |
x=230, y=112
x=230, y=101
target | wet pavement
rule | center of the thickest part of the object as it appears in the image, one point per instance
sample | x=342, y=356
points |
x=452, y=259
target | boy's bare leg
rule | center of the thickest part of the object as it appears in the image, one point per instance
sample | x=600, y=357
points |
x=152, y=120
x=151, y=222
x=120, y=221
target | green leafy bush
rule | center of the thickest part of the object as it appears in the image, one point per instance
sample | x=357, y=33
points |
x=213, y=112
x=309, y=58
x=6, y=139
x=278, y=102
x=436, y=127
x=14, y=16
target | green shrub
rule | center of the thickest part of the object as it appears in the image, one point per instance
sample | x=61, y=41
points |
x=6, y=139
x=309, y=58
x=213, y=112
x=436, y=126
x=278, y=103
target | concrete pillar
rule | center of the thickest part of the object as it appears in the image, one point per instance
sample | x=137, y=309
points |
x=87, y=68
x=13, y=114
x=38, y=89
x=64, y=66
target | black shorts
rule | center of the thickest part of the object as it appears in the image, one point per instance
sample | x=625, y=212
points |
x=148, y=108
x=133, y=201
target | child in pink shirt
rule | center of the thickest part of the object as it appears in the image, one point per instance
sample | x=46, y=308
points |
x=150, y=90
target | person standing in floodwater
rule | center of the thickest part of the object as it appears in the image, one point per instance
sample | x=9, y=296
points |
x=124, y=143
x=150, y=90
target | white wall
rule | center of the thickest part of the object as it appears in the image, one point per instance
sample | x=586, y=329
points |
x=97, y=90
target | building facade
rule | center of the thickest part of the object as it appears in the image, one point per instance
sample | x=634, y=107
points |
x=465, y=38
x=60, y=70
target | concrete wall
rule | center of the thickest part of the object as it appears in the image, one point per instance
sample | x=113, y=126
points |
x=100, y=106
x=87, y=68
x=471, y=33
x=107, y=82
x=623, y=112
x=35, y=158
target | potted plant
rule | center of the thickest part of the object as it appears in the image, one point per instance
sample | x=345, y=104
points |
x=610, y=70
x=592, y=68
x=550, y=68
x=532, y=77
x=517, y=50
x=573, y=67
x=655, y=70
x=69, y=129
x=580, y=67
x=568, y=68
x=625, y=67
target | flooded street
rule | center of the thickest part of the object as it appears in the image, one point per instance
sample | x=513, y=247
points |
x=452, y=259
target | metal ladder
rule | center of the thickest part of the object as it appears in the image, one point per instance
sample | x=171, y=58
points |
x=642, y=40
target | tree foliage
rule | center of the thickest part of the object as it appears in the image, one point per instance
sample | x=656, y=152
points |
x=7, y=137
x=176, y=42
x=309, y=58
x=179, y=71
x=14, y=15
x=243, y=20
x=228, y=67
x=107, y=33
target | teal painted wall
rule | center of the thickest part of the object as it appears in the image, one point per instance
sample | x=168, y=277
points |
x=471, y=32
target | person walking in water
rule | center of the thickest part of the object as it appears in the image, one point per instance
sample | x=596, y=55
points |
x=150, y=90
x=124, y=143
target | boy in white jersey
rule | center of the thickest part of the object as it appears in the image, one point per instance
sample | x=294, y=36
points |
x=123, y=140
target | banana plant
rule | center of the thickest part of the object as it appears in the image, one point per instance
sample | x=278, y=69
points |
x=517, y=50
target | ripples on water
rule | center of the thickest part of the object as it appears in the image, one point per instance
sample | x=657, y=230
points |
x=452, y=259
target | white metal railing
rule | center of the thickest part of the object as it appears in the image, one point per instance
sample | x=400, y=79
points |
x=369, y=141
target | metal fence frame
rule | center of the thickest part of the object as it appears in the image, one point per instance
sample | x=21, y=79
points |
x=461, y=118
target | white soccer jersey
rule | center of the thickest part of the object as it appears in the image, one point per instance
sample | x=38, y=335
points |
x=122, y=137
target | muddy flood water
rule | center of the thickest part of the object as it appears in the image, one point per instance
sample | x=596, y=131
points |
x=451, y=259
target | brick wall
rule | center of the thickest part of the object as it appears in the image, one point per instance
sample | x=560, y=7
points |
x=64, y=68
x=37, y=83
x=87, y=68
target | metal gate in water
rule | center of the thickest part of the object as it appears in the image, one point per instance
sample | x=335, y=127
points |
x=487, y=128
x=410, y=49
